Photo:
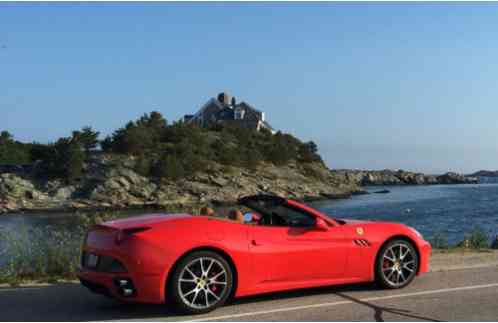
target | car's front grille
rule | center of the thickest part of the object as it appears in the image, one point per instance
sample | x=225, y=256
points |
x=104, y=264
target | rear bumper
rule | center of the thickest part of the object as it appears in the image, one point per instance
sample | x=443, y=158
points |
x=147, y=288
x=425, y=250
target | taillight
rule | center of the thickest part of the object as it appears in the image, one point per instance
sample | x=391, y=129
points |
x=125, y=233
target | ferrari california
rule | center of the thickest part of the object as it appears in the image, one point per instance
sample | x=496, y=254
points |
x=198, y=262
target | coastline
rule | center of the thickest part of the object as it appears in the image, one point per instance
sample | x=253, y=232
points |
x=158, y=207
x=112, y=183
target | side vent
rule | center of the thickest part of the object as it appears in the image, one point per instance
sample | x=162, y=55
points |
x=361, y=242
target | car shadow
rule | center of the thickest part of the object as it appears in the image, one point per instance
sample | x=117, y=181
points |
x=340, y=291
x=379, y=311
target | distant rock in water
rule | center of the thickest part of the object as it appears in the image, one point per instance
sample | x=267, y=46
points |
x=485, y=173
x=454, y=178
x=401, y=177
x=382, y=192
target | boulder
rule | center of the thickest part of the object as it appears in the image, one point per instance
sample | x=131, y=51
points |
x=64, y=193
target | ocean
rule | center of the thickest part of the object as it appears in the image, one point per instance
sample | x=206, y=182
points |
x=449, y=210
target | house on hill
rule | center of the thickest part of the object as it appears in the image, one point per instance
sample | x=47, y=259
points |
x=225, y=109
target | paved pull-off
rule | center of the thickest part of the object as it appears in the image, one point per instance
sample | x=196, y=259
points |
x=458, y=295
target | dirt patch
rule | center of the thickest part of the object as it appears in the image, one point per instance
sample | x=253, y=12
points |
x=462, y=259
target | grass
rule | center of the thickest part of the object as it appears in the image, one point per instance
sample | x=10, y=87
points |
x=52, y=253
x=45, y=254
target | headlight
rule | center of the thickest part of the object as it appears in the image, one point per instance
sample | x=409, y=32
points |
x=416, y=232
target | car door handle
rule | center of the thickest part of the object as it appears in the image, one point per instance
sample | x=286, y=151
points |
x=255, y=243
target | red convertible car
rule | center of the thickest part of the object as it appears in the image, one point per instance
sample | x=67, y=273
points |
x=198, y=262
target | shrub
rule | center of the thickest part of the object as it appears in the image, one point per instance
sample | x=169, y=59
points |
x=137, y=137
x=169, y=166
x=478, y=239
x=439, y=241
x=13, y=152
x=64, y=159
x=143, y=166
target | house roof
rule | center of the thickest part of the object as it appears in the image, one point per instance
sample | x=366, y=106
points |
x=218, y=110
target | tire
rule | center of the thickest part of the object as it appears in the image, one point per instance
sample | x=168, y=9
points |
x=396, y=264
x=190, y=285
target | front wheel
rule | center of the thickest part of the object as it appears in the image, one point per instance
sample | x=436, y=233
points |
x=396, y=265
x=202, y=281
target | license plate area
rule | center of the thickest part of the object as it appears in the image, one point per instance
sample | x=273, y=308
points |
x=91, y=260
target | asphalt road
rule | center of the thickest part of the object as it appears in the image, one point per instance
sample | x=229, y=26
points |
x=458, y=295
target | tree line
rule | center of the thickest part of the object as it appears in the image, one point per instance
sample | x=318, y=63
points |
x=161, y=149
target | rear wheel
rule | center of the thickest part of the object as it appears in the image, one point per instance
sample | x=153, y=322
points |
x=202, y=281
x=397, y=264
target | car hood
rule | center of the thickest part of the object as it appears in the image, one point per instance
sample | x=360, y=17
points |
x=143, y=220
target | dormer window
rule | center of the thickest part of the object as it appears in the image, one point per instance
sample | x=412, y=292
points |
x=239, y=114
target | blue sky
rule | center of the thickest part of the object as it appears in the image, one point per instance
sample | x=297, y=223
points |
x=411, y=86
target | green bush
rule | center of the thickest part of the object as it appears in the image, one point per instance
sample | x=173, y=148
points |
x=143, y=165
x=478, y=239
x=439, y=240
x=64, y=159
x=13, y=152
x=170, y=167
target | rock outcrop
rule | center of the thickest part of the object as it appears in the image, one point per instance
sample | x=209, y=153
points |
x=485, y=173
x=111, y=182
x=400, y=177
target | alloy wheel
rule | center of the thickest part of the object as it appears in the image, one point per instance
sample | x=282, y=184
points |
x=399, y=264
x=203, y=282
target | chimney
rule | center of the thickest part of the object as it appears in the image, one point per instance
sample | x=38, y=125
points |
x=224, y=98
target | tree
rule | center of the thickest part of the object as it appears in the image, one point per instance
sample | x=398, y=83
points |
x=87, y=137
x=107, y=144
x=308, y=152
x=73, y=161
x=138, y=137
x=5, y=137
x=13, y=152
x=281, y=150
x=64, y=159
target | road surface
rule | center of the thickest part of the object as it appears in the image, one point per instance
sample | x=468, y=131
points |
x=457, y=295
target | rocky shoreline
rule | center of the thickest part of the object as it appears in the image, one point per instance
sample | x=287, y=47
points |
x=110, y=182
x=401, y=177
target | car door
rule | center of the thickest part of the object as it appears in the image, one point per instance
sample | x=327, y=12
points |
x=297, y=254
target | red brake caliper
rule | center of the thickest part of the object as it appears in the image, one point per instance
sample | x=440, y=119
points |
x=213, y=287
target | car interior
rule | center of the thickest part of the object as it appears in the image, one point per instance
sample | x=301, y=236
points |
x=265, y=211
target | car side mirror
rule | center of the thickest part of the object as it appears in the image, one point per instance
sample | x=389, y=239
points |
x=321, y=225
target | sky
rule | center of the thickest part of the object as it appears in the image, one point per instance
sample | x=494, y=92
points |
x=401, y=86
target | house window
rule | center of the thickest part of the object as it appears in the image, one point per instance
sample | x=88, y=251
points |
x=239, y=114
